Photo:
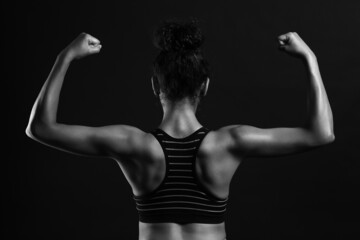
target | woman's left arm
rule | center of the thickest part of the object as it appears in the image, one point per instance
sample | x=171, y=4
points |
x=82, y=140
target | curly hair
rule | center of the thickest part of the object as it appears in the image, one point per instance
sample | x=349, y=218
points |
x=180, y=66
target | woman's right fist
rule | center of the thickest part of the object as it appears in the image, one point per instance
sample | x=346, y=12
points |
x=292, y=43
x=83, y=45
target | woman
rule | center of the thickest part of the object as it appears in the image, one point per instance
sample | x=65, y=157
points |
x=180, y=172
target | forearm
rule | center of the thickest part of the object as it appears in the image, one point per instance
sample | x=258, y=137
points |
x=44, y=110
x=319, y=119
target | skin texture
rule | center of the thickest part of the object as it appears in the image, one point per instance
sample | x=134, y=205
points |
x=140, y=155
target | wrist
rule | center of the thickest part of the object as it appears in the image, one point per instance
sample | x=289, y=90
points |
x=310, y=56
x=311, y=63
x=66, y=55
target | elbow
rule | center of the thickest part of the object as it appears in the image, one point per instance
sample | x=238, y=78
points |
x=28, y=132
x=319, y=140
x=35, y=130
x=31, y=131
x=328, y=139
x=332, y=138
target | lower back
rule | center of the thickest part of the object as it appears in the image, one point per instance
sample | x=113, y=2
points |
x=175, y=231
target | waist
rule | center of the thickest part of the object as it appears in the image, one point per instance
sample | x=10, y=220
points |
x=176, y=231
x=180, y=208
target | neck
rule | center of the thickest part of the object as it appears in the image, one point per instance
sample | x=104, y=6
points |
x=179, y=117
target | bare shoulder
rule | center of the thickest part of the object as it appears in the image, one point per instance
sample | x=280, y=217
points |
x=227, y=134
x=126, y=140
x=220, y=139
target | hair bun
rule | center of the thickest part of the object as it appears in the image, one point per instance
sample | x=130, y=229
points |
x=176, y=35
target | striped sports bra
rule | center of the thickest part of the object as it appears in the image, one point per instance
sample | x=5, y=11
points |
x=180, y=197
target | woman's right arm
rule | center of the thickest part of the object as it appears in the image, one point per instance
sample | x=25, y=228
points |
x=318, y=130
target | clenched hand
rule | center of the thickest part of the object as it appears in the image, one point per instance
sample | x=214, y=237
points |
x=82, y=46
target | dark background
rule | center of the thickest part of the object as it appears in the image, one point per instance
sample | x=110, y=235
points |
x=50, y=194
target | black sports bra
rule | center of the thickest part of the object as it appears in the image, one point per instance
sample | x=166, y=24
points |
x=180, y=197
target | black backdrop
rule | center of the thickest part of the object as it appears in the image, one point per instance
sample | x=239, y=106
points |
x=50, y=194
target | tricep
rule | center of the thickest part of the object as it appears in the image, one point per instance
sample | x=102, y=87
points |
x=252, y=141
x=104, y=141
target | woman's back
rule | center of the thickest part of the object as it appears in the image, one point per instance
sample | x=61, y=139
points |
x=214, y=167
